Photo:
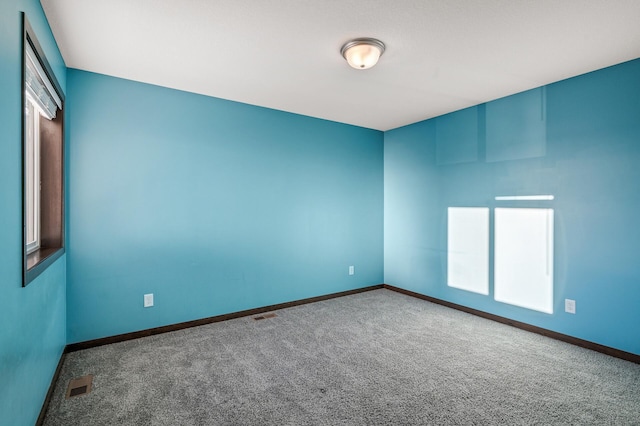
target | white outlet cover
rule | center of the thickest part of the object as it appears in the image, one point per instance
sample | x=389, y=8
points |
x=351, y=270
x=570, y=306
x=148, y=300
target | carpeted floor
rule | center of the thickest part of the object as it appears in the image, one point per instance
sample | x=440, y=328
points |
x=375, y=358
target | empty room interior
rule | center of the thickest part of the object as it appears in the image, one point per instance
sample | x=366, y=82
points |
x=289, y=212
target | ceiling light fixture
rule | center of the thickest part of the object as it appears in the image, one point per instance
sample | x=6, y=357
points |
x=362, y=53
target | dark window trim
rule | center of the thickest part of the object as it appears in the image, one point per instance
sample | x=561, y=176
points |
x=40, y=260
x=35, y=263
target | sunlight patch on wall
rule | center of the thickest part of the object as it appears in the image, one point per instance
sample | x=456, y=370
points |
x=523, y=274
x=468, y=249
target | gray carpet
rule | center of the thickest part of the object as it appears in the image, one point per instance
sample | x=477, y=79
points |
x=375, y=358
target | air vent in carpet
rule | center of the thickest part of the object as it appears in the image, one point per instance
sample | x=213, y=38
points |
x=265, y=316
x=80, y=386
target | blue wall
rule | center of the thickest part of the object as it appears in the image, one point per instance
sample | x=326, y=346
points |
x=32, y=319
x=584, y=149
x=213, y=206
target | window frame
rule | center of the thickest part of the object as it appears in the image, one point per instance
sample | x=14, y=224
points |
x=50, y=181
x=32, y=174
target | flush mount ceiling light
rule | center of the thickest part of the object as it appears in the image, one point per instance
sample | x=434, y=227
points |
x=362, y=53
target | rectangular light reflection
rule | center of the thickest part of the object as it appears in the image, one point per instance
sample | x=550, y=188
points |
x=524, y=198
x=468, y=249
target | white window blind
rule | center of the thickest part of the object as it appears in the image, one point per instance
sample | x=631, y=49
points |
x=39, y=87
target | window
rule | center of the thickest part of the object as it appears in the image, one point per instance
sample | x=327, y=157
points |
x=32, y=174
x=42, y=143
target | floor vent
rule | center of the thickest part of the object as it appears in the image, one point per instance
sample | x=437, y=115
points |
x=265, y=316
x=79, y=386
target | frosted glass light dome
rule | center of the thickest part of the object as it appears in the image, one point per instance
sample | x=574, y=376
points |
x=362, y=53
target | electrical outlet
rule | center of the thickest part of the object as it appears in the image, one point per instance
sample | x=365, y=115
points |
x=351, y=270
x=570, y=306
x=148, y=300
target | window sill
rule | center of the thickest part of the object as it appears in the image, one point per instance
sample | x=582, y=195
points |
x=39, y=260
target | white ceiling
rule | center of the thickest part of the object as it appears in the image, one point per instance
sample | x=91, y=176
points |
x=442, y=55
